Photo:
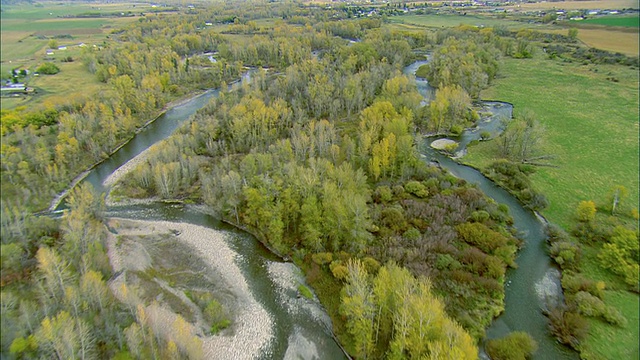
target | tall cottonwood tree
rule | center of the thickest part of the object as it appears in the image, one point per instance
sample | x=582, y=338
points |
x=398, y=313
x=522, y=138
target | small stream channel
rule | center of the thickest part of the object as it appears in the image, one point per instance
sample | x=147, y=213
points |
x=536, y=282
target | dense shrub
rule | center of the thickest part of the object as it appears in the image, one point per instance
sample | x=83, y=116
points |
x=416, y=188
x=456, y=130
x=322, y=258
x=338, y=270
x=589, y=305
x=568, y=327
x=479, y=216
x=382, y=194
x=514, y=177
x=447, y=262
x=48, y=69
x=518, y=345
x=555, y=233
x=566, y=254
x=412, y=234
x=371, y=265
x=573, y=284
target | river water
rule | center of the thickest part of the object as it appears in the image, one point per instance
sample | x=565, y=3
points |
x=302, y=328
x=536, y=280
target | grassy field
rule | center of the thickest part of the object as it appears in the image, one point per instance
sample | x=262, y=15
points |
x=606, y=38
x=439, y=21
x=614, y=41
x=59, y=88
x=592, y=127
x=624, y=21
x=609, y=342
x=26, y=11
x=575, y=5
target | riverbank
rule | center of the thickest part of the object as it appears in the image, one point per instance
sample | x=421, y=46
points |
x=588, y=168
x=57, y=200
x=252, y=327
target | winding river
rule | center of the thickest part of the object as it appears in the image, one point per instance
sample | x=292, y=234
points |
x=536, y=282
x=301, y=327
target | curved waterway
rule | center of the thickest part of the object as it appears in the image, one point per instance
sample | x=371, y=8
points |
x=535, y=283
x=301, y=328
x=298, y=327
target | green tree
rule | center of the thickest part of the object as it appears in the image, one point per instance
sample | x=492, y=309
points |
x=48, y=69
x=573, y=33
x=621, y=253
x=358, y=307
x=522, y=139
x=55, y=273
x=311, y=223
x=586, y=211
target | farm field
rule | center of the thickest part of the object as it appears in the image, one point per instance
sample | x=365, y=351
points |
x=439, y=21
x=575, y=5
x=26, y=30
x=592, y=127
x=614, y=41
x=609, y=39
x=624, y=21
x=28, y=11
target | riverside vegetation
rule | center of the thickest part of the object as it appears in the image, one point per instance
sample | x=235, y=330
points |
x=346, y=193
x=591, y=187
x=317, y=157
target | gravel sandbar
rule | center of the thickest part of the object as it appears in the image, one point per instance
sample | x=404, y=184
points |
x=252, y=326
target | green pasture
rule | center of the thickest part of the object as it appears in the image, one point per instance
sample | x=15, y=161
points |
x=19, y=45
x=439, y=21
x=624, y=21
x=611, y=342
x=26, y=11
x=607, y=341
x=26, y=28
x=591, y=127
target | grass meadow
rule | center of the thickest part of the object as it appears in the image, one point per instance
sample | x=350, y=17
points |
x=592, y=128
x=578, y=5
x=439, y=21
x=624, y=21
x=611, y=40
